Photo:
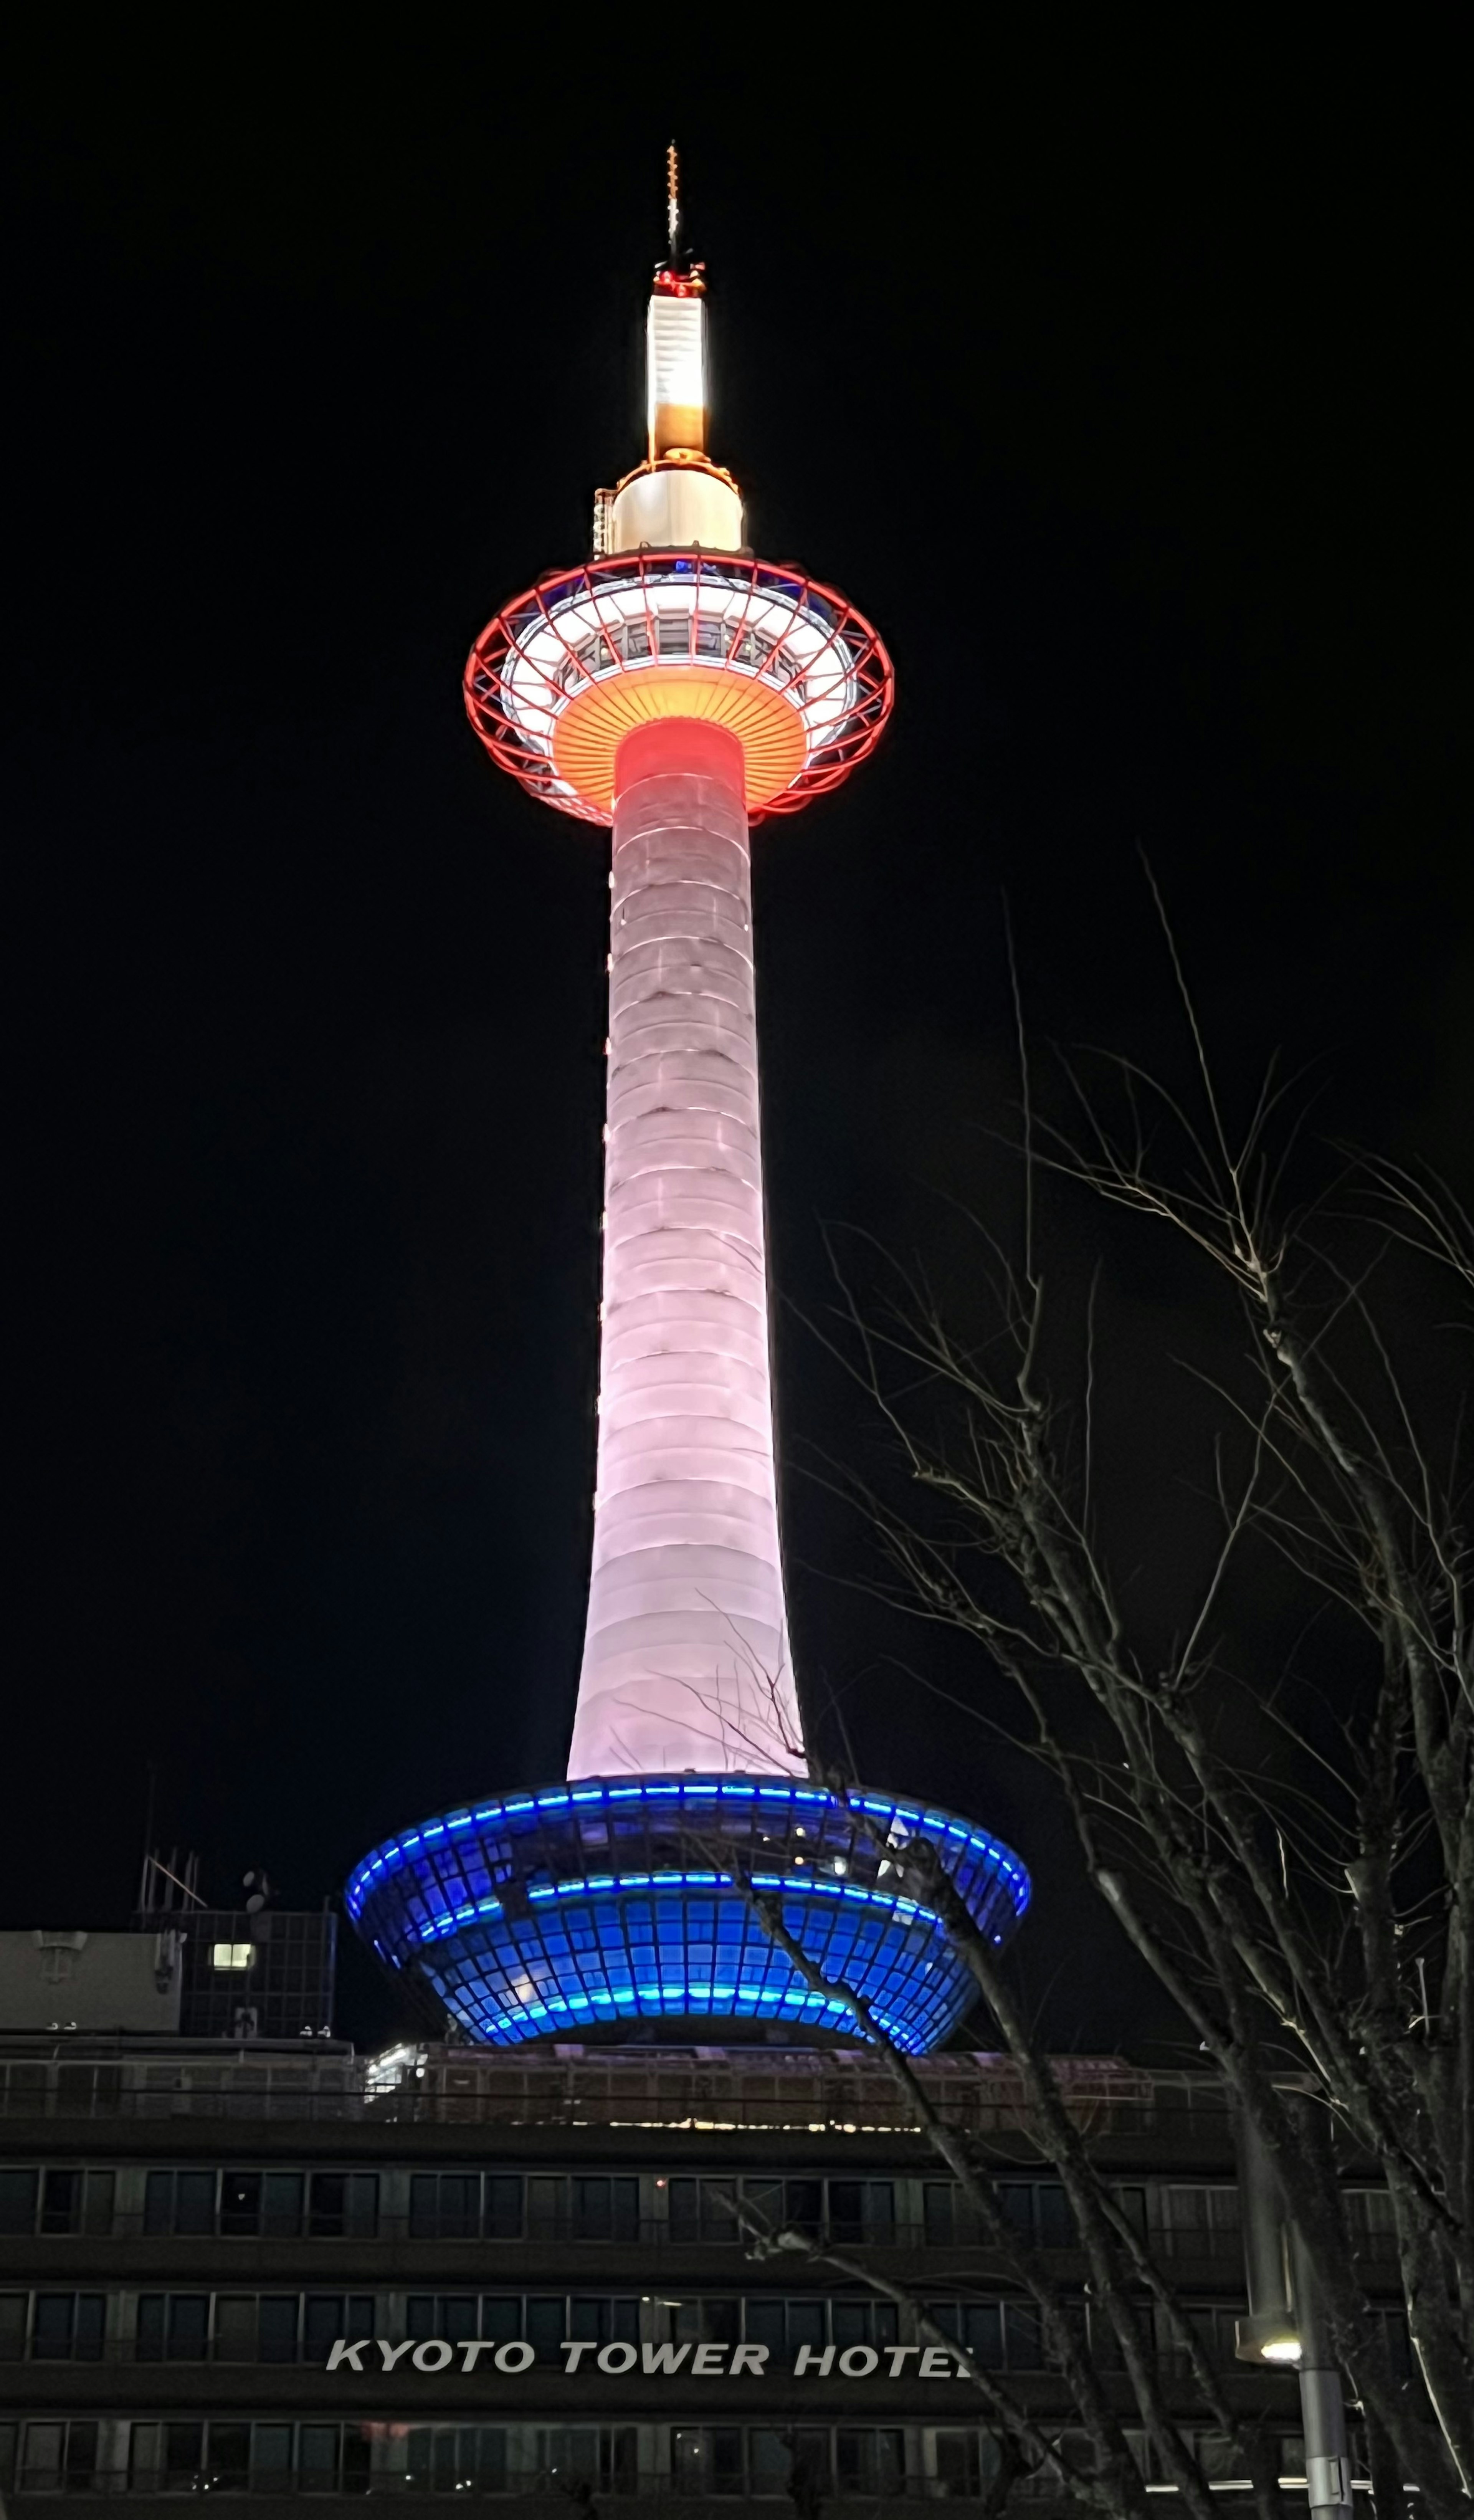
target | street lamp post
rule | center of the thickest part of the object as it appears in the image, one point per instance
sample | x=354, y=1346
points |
x=1286, y=2324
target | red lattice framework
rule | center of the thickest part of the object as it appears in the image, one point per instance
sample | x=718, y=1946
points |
x=560, y=602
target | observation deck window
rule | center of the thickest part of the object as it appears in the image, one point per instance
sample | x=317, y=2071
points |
x=684, y=635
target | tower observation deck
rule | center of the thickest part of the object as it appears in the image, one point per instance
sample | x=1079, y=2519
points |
x=679, y=691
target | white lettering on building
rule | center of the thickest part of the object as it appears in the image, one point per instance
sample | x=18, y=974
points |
x=706, y=2361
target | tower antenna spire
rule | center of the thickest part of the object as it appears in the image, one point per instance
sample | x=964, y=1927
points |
x=672, y=200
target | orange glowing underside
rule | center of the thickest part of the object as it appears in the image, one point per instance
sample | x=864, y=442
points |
x=588, y=735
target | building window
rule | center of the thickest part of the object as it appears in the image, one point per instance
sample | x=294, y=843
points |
x=782, y=2326
x=1035, y=2209
x=266, y=2204
x=455, y=2316
x=277, y=2316
x=232, y=1956
x=172, y=2327
x=804, y=2465
x=466, y=2205
x=794, y=2464
x=582, y=2209
x=870, y=2460
x=251, y=2327
x=1105, y=2343
x=967, y=2462
x=1000, y=2335
x=201, y=2457
x=862, y=2208
x=342, y=2205
x=456, y=2458
x=58, y=2456
x=1371, y=2221
x=76, y=2200
x=264, y=2201
x=1201, y=2221
x=545, y=2320
x=863, y=2322
x=707, y=2459
x=707, y=2319
x=445, y=2206
x=19, y=2189
x=569, y=2457
x=331, y=2458
x=1215, y=2325
x=237, y=2329
x=326, y=2315
x=839, y=2209
x=180, y=2201
x=53, y=2328
x=67, y=2327
x=1397, y=2339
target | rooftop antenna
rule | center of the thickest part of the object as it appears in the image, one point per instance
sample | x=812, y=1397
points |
x=672, y=200
x=143, y=1884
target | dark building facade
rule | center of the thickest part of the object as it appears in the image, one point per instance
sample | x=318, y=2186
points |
x=267, y=1973
x=285, y=2269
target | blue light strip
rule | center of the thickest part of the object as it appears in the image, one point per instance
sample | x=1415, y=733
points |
x=474, y=1901
x=604, y=1885
x=396, y=1852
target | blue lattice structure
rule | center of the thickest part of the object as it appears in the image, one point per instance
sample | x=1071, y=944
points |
x=608, y=1901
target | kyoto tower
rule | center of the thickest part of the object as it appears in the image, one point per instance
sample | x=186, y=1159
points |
x=678, y=691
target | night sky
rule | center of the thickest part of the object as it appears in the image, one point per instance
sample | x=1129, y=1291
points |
x=1127, y=398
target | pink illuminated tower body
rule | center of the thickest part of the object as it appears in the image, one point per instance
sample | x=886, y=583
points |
x=686, y=1661
x=680, y=690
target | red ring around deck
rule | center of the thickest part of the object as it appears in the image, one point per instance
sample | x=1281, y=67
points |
x=565, y=671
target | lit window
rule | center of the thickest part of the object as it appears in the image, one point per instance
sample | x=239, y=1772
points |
x=229, y=1956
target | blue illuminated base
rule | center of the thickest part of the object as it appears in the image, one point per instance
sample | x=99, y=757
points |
x=608, y=1901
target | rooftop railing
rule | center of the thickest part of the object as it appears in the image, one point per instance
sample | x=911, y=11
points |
x=812, y=2094
x=536, y=2493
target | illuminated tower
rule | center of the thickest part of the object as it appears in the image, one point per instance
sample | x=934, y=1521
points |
x=678, y=691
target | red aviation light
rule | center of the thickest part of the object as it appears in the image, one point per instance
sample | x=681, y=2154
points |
x=689, y=283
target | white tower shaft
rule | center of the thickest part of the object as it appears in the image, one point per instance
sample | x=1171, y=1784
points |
x=685, y=1659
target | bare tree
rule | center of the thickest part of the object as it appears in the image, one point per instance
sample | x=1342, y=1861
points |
x=1111, y=2369
x=1298, y=1874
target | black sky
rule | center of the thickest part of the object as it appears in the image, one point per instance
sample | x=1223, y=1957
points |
x=1127, y=396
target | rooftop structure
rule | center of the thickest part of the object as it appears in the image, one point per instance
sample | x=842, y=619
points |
x=678, y=689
